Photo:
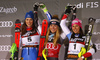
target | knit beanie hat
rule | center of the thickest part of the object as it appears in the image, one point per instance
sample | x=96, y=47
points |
x=77, y=21
x=29, y=15
x=55, y=20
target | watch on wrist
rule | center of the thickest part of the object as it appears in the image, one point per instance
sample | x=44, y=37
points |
x=82, y=57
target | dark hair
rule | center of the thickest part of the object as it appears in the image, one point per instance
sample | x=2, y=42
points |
x=80, y=34
x=34, y=27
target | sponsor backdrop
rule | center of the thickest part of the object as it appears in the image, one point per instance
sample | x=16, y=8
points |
x=10, y=10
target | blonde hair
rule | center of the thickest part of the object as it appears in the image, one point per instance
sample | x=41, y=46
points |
x=56, y=36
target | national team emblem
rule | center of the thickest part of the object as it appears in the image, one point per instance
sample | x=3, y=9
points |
x=53, y=22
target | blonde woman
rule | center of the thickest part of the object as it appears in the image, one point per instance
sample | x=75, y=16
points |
x=54, y=36
x=53, y=39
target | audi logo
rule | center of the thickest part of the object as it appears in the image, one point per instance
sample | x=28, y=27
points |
x=5, y=47
x=6, y=23
x=4, y=59
x=97, y=46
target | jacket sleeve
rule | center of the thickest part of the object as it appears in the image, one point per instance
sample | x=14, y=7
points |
x=48, y=16
x=91, y=50
x=64, y=27
x=36, y=22
x=39, y=28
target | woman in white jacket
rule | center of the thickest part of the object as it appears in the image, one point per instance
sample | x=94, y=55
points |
x=76, y=38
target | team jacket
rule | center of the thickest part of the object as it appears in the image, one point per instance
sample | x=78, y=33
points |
x=30, y=38
x=53, y=51
x=76, y=43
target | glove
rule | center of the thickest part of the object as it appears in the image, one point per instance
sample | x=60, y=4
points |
x=83, y=51
x=68, y=9
x=13, y=50
x=43, y=53
x=74, y=9
x=35, y=6
x=43, y=7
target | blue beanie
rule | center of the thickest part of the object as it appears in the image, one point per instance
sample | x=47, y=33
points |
x=29, y=15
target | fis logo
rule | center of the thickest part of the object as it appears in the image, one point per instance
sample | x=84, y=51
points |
x=92, y=4
x=87, y=5
x=8, y=10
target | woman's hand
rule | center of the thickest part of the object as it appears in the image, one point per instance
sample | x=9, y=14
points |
x=43, y=7
x=35, y=6
x=80, y=58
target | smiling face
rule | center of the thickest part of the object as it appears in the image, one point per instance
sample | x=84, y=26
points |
x=76, y=28
x=53, y=28
x=29, y=22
